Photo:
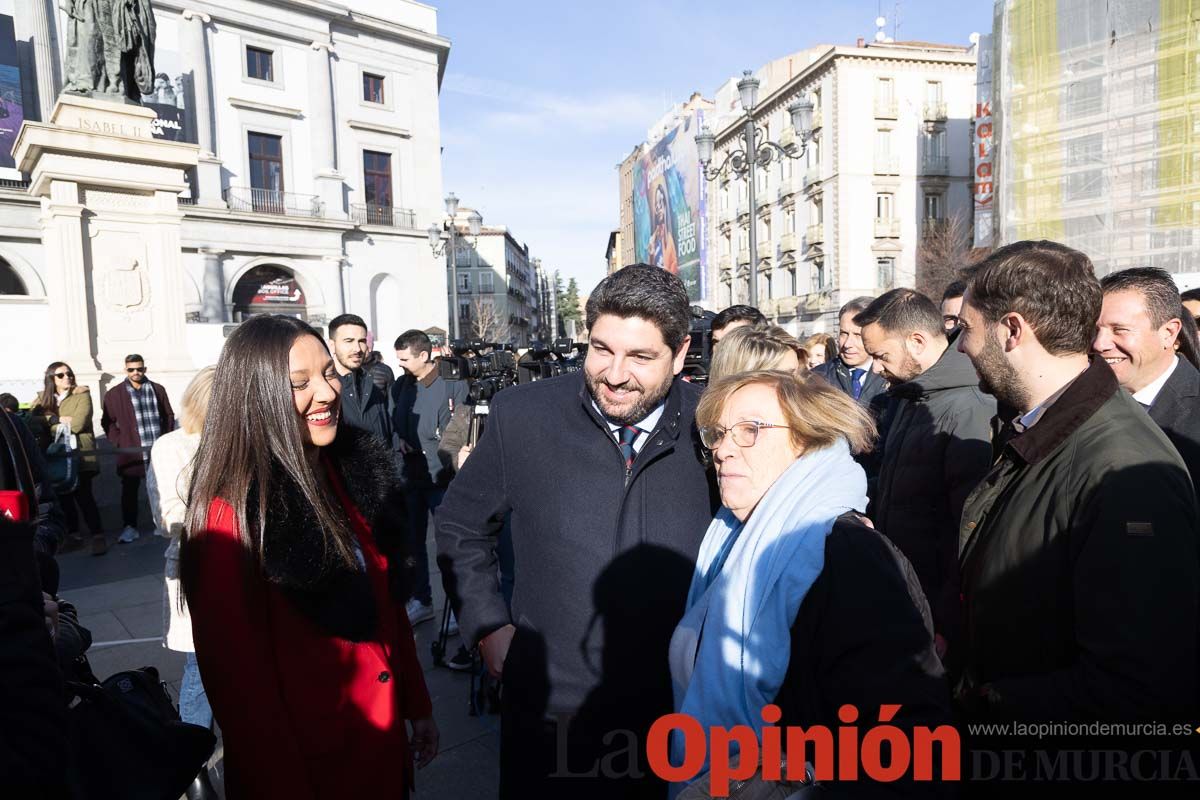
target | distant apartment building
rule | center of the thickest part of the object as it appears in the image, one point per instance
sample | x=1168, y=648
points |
x=888, y=163
x=499, y=286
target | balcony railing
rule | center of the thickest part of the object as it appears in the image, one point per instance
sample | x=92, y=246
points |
x=787, y=187
x=386, y=216
x=887, y=228
x=787, y=242
x=815, y=234
x=268, y=201
x=935, y=112
x=812, y=175
x=935, y=165
x=744, y=255
x=766, y=249
x=887, y=164
x=932, y=226
x=14, y=185
x=743, y=208
x=886, y=108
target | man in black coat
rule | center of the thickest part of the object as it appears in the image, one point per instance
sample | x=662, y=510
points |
x=364, y=405
x=851, y=372
x=938, y=443
x=609, y=498
x=1138, y=328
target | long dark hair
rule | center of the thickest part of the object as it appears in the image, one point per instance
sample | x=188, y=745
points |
x=47, y=400
x=252, y=443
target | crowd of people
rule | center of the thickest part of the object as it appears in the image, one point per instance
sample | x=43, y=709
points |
x=977, y=511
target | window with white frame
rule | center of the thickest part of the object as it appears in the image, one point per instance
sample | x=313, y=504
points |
x=487, y=282
x=886, y=267
x=884, y=205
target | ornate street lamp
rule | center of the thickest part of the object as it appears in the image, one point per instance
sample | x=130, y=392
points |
x=756, y=151
x=438, y=246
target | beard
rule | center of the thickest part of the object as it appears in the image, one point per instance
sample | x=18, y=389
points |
x=909, y=369
x=999, y=378
x=644, y=400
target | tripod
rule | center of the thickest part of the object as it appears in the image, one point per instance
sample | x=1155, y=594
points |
x=484, y=693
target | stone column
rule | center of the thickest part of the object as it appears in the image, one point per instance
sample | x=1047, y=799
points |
x=212, y=301
x=45, y=54
x=194, y=43
x=328, y=181
x=66, y=278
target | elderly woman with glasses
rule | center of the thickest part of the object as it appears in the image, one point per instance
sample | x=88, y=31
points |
x=796, y=601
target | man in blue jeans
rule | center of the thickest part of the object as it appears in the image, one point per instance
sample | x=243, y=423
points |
x=423, y=403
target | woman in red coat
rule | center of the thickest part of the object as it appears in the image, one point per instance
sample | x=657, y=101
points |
x=292, y=570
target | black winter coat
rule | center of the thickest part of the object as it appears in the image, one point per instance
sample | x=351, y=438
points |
x=937, y=450
x=603, y=558
x=864, y=636
x=365, y=405
x=1177, y=412
x=1081, y=568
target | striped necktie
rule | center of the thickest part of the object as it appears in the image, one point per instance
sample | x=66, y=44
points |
x=627, y=435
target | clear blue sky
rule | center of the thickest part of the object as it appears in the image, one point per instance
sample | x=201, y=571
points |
x=543, y=98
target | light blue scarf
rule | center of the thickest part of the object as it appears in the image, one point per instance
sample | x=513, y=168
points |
x=749, y=583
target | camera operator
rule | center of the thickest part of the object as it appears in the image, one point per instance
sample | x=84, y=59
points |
x=422, y=405
x=609, y=499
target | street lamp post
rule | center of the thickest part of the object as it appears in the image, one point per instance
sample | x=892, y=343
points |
x=474, y=225
x=757, y=151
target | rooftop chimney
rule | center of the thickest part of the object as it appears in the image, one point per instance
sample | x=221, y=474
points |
x=861, y=42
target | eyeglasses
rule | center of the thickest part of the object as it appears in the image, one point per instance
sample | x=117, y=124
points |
x=132, y=370
x=745, y=434
x=64, y=374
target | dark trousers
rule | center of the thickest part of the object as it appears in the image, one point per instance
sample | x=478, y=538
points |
x=130, y=484
x=421, y=501
x=82, y=502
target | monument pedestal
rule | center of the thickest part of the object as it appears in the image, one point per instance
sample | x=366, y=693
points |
x=111, y=238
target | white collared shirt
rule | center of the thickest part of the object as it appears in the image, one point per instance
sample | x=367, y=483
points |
x=647, y=425
x=1148, y=394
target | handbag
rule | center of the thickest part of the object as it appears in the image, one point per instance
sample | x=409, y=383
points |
x=129, y=742
x=62, y=460
x=757, y=788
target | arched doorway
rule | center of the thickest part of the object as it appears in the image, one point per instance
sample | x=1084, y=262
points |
x=387, y=299
x=10, y=281
x=268, y=289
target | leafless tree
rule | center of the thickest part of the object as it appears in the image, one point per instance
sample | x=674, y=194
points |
x=944, y=250
x=487, y=322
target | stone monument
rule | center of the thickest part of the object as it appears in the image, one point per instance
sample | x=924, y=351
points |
x=109, y=192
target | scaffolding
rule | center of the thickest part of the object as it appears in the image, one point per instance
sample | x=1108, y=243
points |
x=1098, y=119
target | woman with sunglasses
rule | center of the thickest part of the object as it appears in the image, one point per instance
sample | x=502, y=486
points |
x=62, y=402
x=796, y=601
x=292, y=569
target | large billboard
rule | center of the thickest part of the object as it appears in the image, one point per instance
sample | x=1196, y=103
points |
x=670, y=195
x=12, y=104
x=172, y=98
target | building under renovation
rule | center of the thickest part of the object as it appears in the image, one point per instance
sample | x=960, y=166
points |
x=1097, y=112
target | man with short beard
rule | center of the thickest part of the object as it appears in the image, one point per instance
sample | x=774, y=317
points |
x=937, y=449
x=601, y=472
x=1080, y=575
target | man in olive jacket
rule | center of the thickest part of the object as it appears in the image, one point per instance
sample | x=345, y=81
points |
x=938, y=444
x=1080, y=565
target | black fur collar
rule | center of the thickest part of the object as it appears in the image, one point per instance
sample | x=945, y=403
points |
x=335, y=597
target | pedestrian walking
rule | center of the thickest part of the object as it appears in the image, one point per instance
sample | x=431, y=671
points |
x=136, y=413
x=63, y=402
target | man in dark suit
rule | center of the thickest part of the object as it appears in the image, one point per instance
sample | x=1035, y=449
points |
x=852, y=372
x=1136, y=334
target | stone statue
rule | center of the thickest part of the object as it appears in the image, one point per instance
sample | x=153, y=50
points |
x=110, y=48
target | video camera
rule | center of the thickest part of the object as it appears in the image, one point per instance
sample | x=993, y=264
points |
x=551, y=360
x=487, y=367
x=699, y=354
